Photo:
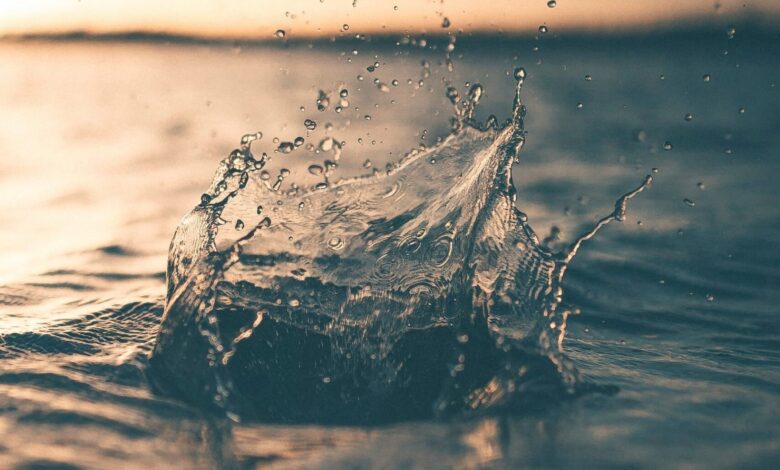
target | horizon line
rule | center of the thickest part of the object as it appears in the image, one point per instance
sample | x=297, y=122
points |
x=668, y=28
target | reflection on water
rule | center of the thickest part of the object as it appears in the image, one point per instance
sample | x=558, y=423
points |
x=106, y=145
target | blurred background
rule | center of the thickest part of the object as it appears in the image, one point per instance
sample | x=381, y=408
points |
x=114, y=116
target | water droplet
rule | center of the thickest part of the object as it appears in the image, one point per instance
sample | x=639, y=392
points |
x=543, y=29
x=326, y=144
x=700, y=185
x=709, y=298
x=298, y=141
x=452, y=95
x=689, y=117
x=579, y=105
x=445, y=23
x=367, y=117
x=668, y=146
x=475, y=93
x=293, y=302
x=247, y=139
x=520, y=74
x=316, y=169
x=689, y=202
x=259, y=210
x=588, y=78
x=552, y=4
x=335, y=243
x=239, y=224
x=706, y=77
x=286, y=147
x=345, y=27
x=280, y=33
x=309, y=124
x=730, y=32
x=741, y=110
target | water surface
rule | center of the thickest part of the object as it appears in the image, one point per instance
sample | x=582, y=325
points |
x=106, y=146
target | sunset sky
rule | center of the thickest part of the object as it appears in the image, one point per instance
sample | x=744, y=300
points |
x=308, y=18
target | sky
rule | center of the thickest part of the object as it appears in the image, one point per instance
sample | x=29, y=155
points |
x=317, y=18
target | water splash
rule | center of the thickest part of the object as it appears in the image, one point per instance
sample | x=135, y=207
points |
x=410, y=293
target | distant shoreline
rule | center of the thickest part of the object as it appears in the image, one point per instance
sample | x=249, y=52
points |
x=751, y=27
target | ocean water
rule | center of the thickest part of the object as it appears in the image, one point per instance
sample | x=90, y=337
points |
x=106, y=145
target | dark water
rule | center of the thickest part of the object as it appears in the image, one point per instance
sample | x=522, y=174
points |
x=678, y=312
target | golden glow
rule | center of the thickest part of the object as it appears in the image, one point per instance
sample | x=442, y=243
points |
x=306, y=18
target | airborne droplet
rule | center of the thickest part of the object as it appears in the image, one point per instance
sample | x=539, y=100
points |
x=475, y=93
x=249, y=138
x=280, y=33
x=286, y=147
x=335, y=243
x=309, y=124
x=452, y=95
